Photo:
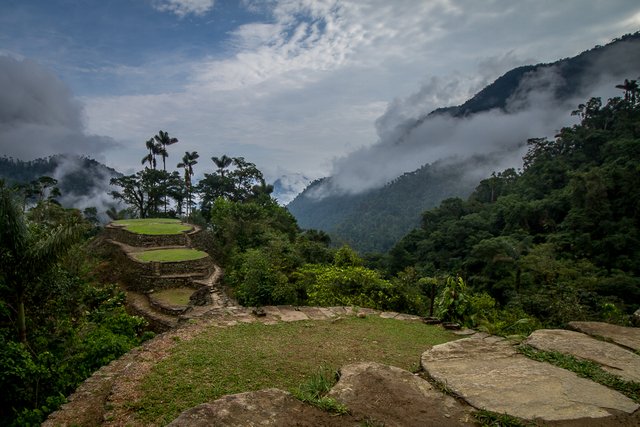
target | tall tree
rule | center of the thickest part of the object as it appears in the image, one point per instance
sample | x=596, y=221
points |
x=630, y=88
x=163, y=140
x=151, y=156
x=28, y=251
x=188, y=161
x=222, y=163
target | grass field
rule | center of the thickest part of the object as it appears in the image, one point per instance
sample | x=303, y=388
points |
x=174, y=296
x=170, y=255
x=154, y=226
x=254, y=356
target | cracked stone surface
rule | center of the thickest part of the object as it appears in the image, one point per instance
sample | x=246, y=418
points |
x=397, y=397
x=621, y=335
x=488, y=373
x=613, y=359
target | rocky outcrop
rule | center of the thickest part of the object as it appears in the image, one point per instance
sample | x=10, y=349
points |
x=488, y=373
x=270, y=407
x=395, y=397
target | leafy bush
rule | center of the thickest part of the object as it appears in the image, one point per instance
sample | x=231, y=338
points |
x=328, y=285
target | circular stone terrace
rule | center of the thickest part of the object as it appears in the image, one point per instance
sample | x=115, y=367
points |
x=164, y=275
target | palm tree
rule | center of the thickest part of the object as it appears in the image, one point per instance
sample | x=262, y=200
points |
x=630, y=88
x=163, y=140
x=26, y=254
x=153, y=152
x=222, y=163
x=188, y=161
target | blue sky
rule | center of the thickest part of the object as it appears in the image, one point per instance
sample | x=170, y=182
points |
x=292, y=85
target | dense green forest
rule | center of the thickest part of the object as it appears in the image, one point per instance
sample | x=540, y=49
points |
x=59, y=321
x=372, y=222
x=560, y=240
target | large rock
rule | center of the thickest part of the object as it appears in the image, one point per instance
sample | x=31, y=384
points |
x=270, y=407
x=621, y=335
x=490, y=374
x=396, y=397
x=613, y=358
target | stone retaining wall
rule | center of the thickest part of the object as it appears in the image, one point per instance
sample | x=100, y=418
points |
x=122, y=235
x=142, y=277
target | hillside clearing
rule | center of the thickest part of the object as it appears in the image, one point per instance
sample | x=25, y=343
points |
x=248, y=357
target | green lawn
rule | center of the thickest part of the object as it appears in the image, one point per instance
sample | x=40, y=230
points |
x=254, y=356
x=170, y=255
x=154, y=226
x=174, y=296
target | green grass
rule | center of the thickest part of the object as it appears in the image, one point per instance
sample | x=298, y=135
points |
x=494, y=419
x=170, y=255
x=254, y=356
x=315, y=388
x=154, y=226
x=584, y=369
x=174, y=296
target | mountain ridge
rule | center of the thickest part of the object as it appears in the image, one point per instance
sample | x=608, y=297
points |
x=343, y=215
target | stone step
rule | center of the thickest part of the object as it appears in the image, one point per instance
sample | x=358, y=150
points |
x=158, y=320
x=488, y=373
x=613, y=359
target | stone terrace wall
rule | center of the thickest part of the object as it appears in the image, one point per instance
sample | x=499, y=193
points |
x=119, y=234
x=142, y=277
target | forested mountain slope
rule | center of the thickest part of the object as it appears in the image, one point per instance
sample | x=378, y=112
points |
x=83, y=182
x=557, y=237
x=373, y=220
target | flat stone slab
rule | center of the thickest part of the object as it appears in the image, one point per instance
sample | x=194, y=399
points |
x=488, y=373
x=291, y=314
x=621, y=335
x=389, y=314
x=270, y=407
x=614, y=359
x=394, y=397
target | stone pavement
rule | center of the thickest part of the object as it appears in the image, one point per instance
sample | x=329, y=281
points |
x=613, y=359
x=488, y=373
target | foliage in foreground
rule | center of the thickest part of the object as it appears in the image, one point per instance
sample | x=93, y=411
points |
x=60, y=324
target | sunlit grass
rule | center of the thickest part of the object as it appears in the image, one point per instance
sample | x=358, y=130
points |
x=154, y=226
x=170, y=255
x=248, y=357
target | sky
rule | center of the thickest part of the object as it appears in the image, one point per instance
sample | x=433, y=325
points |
x=295, y=86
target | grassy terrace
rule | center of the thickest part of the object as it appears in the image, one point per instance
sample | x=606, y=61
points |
x=174, y=296
x=170, y=255
x=154, y=226
x=254, y=356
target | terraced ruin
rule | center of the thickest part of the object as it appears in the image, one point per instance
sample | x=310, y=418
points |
x=166, y=274
x=474, y=380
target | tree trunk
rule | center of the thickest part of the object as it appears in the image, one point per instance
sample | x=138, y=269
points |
x=433, y=297
x=22, y=321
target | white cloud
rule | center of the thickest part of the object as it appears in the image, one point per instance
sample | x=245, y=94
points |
x=305, y=85
x=183, y=8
